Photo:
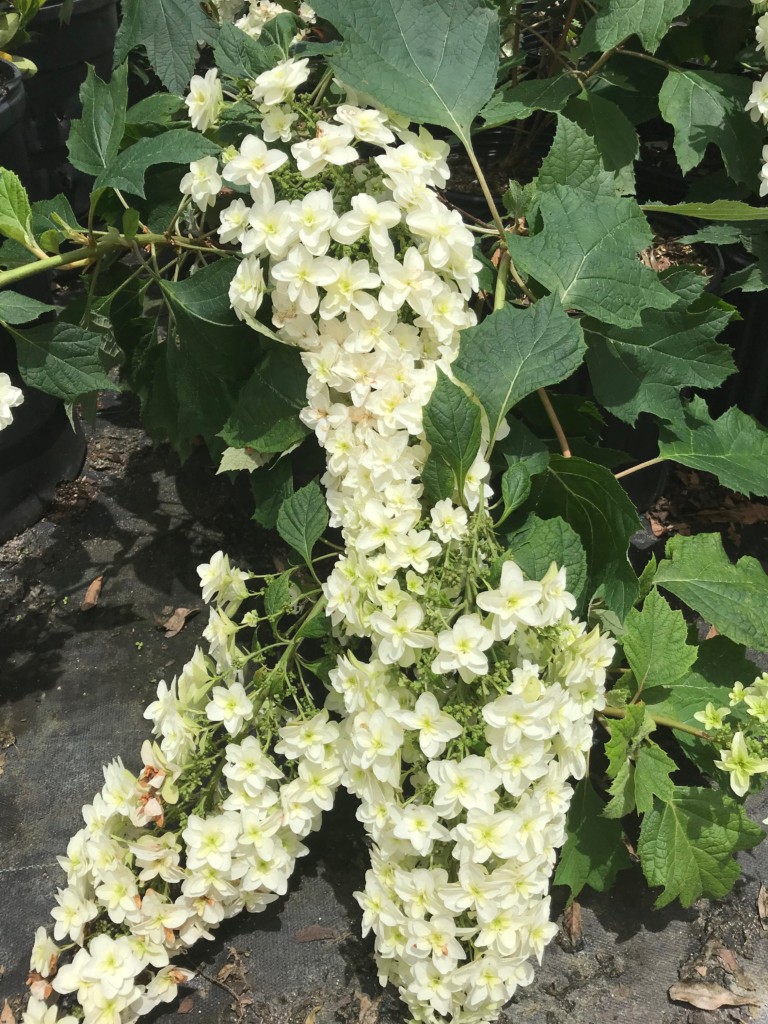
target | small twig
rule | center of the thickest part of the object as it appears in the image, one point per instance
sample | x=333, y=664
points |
x=638, y=467
x=669, y=723
x=565, y=448
x=222, y=985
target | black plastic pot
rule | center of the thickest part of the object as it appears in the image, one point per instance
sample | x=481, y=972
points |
x=61, y=53
x=13, y=105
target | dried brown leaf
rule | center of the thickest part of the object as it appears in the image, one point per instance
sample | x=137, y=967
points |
x=762, y=904
x=312, y=1015
x=7, y=1015
x=368, y=1009
x=711, y=632
x=315, y=933
x=727, y=959
x=92, y=594
x=572, y=927
x=186, y=1004
x=176, y=622
x=701, y=971
x=708, y=997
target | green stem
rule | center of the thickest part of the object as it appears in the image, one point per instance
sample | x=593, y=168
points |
x=669, y=723
x=484, y=186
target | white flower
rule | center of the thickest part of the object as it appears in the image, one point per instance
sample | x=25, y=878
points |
x=761, y=33
x=45, y=953
x=247, y=288
x=331, y=146
x=449, y=522
x=205, y=99
x=203, y=182
x=277, y=123
x=757, y=104
x=253, y=163
x=279, y=83
x=400, y=633
x=302, y=273
x=461, y=648
x=434, y=726
x=368, y=125
x=740, y=764
x=233, y=221
x=10, y=398
x=231, y=706
x=514, y=602
x=418, y=825
x=368, y=216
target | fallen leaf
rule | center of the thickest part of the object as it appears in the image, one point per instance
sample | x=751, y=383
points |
x=315, y=933
x=572, y=927
x=368, y=1009
x=186, y=1004
x=39, y=987
x=312, y=1015
x=727, y=959
x=6, y=1014
x=701, y=971
x=92, y=594
x=762, y=904
x=176, y=622
x=711, y=632
x=708, y=997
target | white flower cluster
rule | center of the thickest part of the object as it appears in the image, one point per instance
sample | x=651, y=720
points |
x=252, y=15
x=744, y=757
x=10, y=398
x=460, y=733
x=757, y=104
x=144, y=882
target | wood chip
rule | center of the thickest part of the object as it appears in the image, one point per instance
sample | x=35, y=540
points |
x=175, y=622
x=708, y=997
x=727, y=959
x=92, y=595
x=701, y=971
x=315, y=933
x=368, y=1009
x=186, y=1004
x=312, y=1015
x=762, y=905
x=572, y=927
x=6, y=1014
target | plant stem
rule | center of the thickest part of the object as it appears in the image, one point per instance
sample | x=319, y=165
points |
x=638, y=467
x=669, y=723
x=86, y=253
x=566, y=27
x=565, y=448
x=500, y=292
x=603, y=59
x=484, y=186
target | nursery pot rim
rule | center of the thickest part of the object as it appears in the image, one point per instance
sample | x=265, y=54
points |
x=13, y=103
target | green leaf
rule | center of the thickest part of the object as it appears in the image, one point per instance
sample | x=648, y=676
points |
x=238, y=55
x=642, y=369
x=573, y=160
x=522, y=446
x=656, y=643
x=180, y=146
x=437, y=479
x=278, y=596
x=452, y=427
x=206, y=324
x=519, y=101
x=302, y=519
x=434, y=61
x=615, y=138
x=647, y=19
x=732, y=597
x=653, y=768
x=61, y=359
x=94, y=139
x=687, y=844
x=707, y=107
x=20, y=309
x=270, y=486
x=155, y=111
x=513, y=352
x=169, y=31
x=593, y=853
x=234, y=460
x=539, y=542
x=590, y=499
x=627, y=734
x=589, y=258
x=15, y=211
x=515, y=488
x=266, y=416
x=722, y=209
x=734, y=447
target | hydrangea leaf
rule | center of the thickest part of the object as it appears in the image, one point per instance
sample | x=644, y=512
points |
x=302, y=519
x=642, y=369
x=707, y=107
x=20, y=309
x=434, y=61
x=733, y=597
x=15, y=211
x=647, y=19
x=127, y=170
x=61, y=359
x=610, y=128
x=277, y=596
x=515, y=487
x=233, y=460
x=626, y=736
x=521, y=445
x=588, y=258
x=238, y=55
x=94, y=139
x=266, y=416
x=270, y=486
x=169, y=31
x=573, y=160
x=734, y=446
x=655, y=643
x=539, y=542
x=452, y=427
x=521, y=100
x=515, y=351
x=687, y=844
x=653, y=768
x=593, y=502
x=594, y=852
x=720, y=210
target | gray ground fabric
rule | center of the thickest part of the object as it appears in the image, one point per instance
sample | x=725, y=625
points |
x=73, y=686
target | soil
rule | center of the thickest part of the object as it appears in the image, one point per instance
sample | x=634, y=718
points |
x=72, y=693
